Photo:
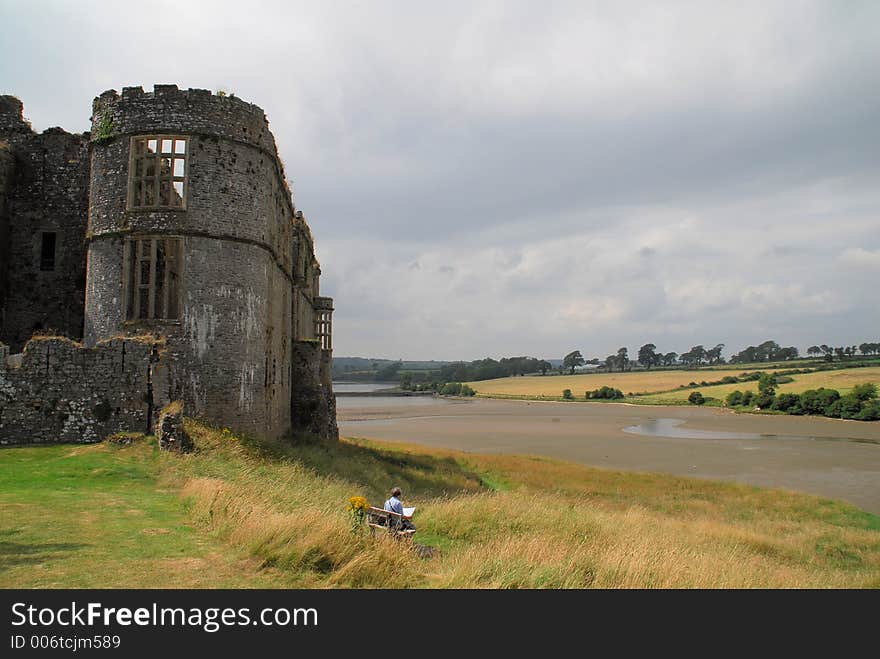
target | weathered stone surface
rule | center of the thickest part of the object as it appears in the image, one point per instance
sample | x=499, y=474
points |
x=64, y=392
x=43, y=189
x=251, y=275
x=313, y=402
x=170, y=432
x=249, y=280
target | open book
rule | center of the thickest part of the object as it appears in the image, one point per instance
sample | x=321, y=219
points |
x=408, y=512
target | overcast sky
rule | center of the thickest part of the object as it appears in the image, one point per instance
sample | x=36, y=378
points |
x=503, y=178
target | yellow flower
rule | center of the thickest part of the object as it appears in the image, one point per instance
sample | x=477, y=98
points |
x=358, y=503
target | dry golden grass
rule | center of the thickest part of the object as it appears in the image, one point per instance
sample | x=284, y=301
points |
x=51, y=336
x=547, y=524
x=268, y=514
x=635, y=382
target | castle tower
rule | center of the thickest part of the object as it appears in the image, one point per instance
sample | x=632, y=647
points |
x=192, y=235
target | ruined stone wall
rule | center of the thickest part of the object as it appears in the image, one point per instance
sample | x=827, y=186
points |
x=247, y=283
x=313, y=405
x=46, y=193
x=229, y=354
x=329, y=396
x=60, y=391
x=7, y=170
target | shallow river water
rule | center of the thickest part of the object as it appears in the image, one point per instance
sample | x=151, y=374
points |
x=832, y=458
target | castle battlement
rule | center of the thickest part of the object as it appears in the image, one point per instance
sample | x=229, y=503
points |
x=170, y=109
x=190, y=234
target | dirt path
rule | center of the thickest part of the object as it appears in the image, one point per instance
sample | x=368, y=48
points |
x=838, y=459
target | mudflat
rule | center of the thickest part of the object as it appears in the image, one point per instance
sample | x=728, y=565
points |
x=827, y=457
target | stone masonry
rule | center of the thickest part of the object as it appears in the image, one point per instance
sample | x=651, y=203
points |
x=43, y=199
x=190, y=235
x=60, y=391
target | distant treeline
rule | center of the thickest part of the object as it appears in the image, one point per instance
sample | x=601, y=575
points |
x=384, y=370
x=433, y=374
x=489, y=369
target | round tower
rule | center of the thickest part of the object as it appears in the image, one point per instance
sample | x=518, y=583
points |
x=190, y=236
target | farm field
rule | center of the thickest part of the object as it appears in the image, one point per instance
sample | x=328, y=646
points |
x=842, y=380
x=662, y=387
x=635, y=382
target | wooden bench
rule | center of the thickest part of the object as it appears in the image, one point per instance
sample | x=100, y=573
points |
x=388, y=522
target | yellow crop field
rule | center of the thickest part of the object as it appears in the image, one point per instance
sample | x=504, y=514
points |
x=635, y=382
x=842, y=380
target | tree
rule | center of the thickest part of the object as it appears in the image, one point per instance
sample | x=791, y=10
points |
x=814, y=351
x=767, y=384
x=767, y=351
x=694, y=356
x=388, y=372
x=670, y=358
x=572, y=360
x=714, y=354
x=766, y=391
x=696, y=398
x=865, y=391
x=734, y=398
x=544, y=366
x=647, y=356
x=622, y=358
x=610, y=361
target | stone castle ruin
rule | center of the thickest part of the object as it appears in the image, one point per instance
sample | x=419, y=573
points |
x=157, y=258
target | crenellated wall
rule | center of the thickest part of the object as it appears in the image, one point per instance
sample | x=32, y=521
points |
x=238, y=350
x=243, y=242
x=59, y=391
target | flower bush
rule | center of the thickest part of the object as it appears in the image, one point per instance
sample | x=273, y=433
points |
x=357, y=511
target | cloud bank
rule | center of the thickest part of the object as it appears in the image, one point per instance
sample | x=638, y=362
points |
x=488, y=179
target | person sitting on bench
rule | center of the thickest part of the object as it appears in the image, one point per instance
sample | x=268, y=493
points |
x=395, y=505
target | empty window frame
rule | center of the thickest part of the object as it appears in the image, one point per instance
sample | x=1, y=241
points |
x=158, y=172
x=47, y=251
x=153, y=269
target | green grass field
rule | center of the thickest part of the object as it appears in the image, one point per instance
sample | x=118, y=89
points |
x=842, y=380
x=98, y=516
x=239, y=513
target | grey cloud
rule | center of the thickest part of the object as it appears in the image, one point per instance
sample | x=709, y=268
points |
x=492, y=178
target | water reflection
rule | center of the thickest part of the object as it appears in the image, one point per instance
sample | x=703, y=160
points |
x=672, y=428
x=361, y=387
x=385, y=402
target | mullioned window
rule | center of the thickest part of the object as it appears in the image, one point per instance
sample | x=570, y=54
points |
x=152, y=268
x=158, y=172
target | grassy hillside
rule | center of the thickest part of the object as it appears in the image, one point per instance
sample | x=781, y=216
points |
x=843, y=381
x=635, y=382
x=660, y=387
x=242, y=513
